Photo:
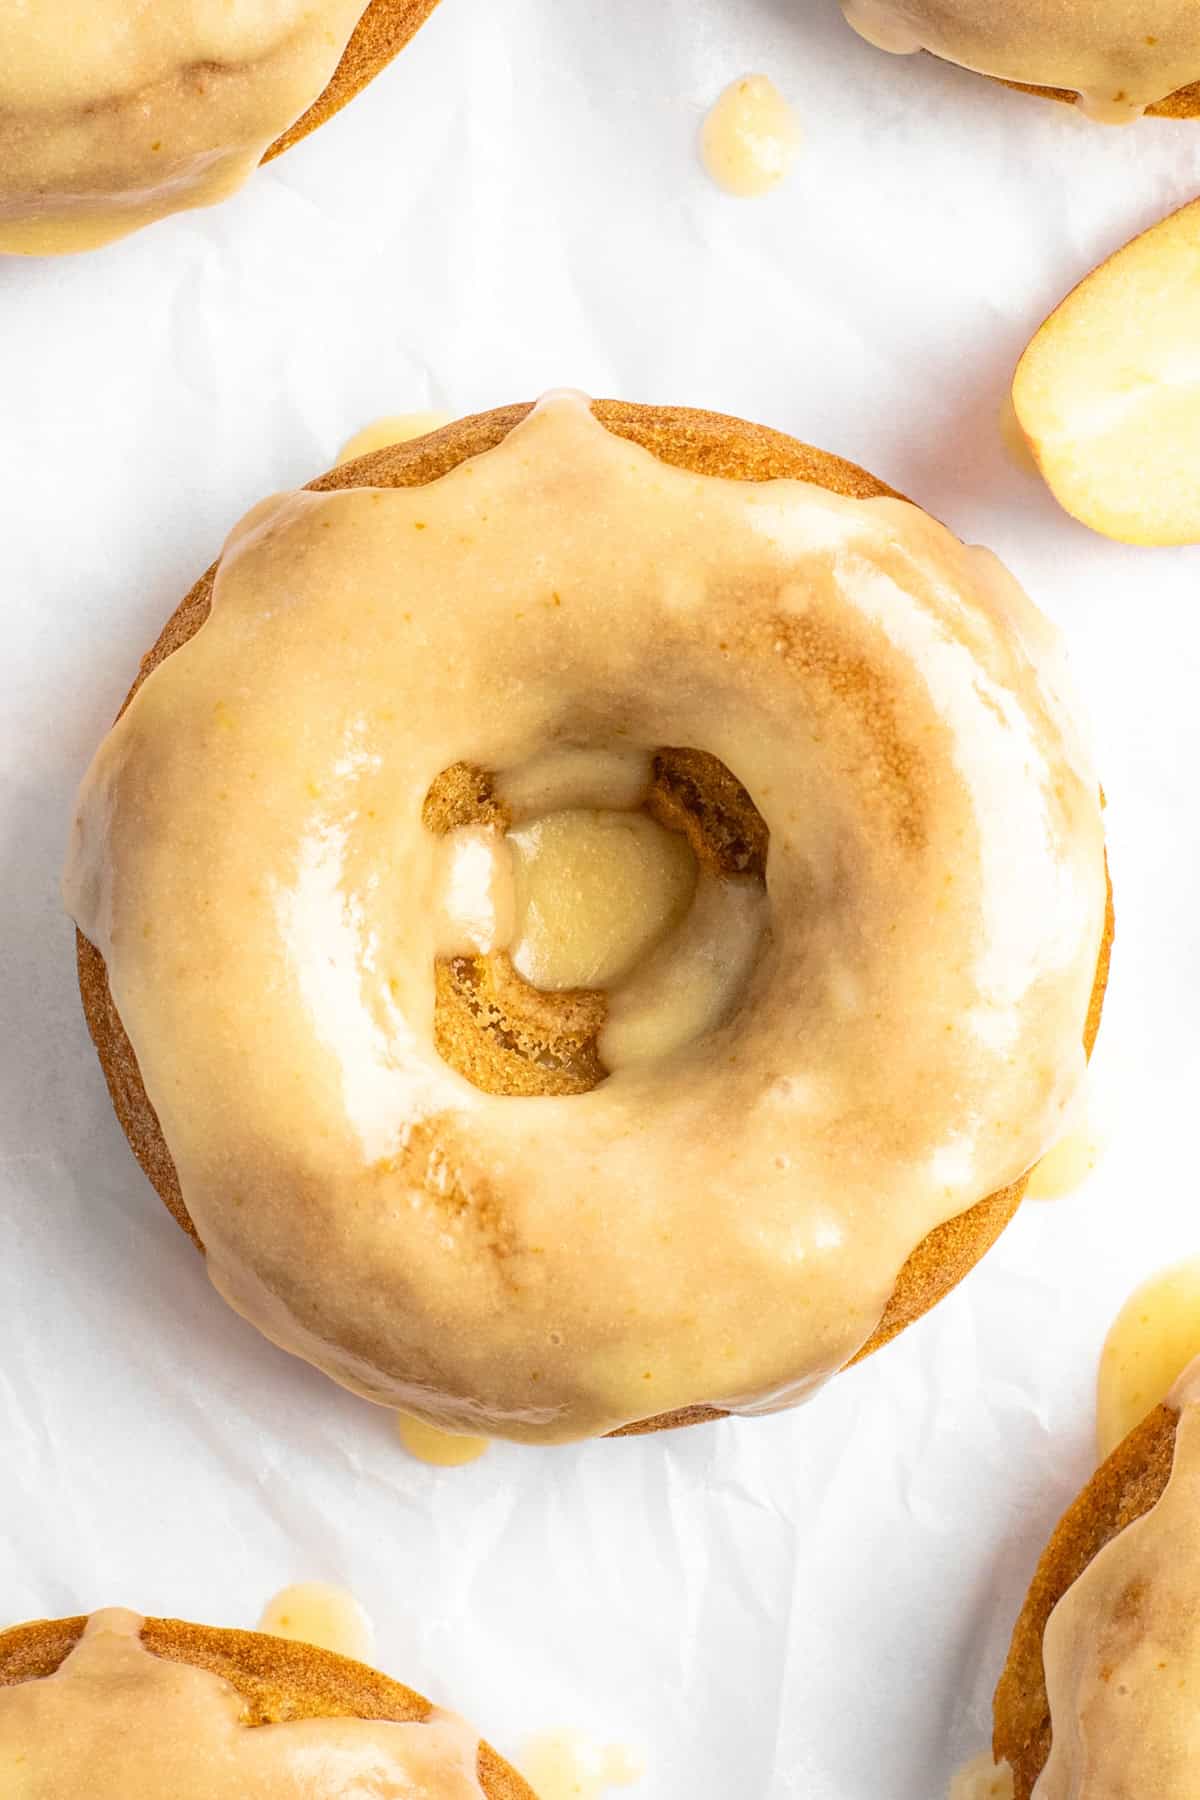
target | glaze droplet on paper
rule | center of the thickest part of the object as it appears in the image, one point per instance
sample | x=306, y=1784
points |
x=750, y=138
x=1068, y=1163
x=1153, y=1339
x=318, y=1612
x=395, y=428
x=441, y=1449
x=565, y=1765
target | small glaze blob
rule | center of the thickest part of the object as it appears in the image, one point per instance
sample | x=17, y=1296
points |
x=441, y=1449
x=1153, y=1339
x=982, y=1779
x=395, y=428
x=750, y=138
x=565, y=1765
x=317, y=1612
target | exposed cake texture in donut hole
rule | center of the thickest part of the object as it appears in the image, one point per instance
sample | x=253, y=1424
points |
x=599, y=906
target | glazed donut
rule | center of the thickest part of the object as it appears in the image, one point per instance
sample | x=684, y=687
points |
x=111, y=118
x=1113, y=58
x=1107, y=1644
x=117, y=1707
x=318, y=865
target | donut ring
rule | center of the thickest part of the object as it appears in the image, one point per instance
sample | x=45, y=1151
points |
x=1125, y=1487
x=277, y=1679
x=700, y=442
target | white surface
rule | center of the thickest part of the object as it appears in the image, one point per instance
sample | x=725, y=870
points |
x=814, y=1605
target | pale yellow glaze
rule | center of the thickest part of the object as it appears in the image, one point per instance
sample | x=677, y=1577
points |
x=750, y=137
x=720, y=1224
x=396, y=428
x=113, y=115
x=982, y=1779
x=1122, y=1650
x=474, y=893
x=318, y=1612
x=441, y=1449
x=690, y=982
x=565, y=1765
x=117, y=1723
x=603, y=776
x=1066, y=1165
x=1119, y=56
x=595, y=892
x=1153, y=1339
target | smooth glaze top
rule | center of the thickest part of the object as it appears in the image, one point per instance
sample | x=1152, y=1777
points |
x=1122, y=1648
x=115, y=1722
x=1119, y=56
x=112, y=114
x=250, y=858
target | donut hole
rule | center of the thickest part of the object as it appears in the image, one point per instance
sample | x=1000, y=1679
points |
x=531, y=1003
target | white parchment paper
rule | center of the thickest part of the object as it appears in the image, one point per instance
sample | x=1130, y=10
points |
x=814, y=1605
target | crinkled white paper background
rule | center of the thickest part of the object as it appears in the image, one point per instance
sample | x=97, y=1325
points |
x=814, y=1605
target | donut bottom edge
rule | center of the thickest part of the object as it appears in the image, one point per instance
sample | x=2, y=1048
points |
x=1184, y=103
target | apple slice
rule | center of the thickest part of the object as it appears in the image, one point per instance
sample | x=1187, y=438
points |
x=1108, y=392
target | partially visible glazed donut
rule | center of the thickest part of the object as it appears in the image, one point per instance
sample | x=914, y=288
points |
x=1123, y=1639
x=1115, y=59
x=263, y=1683
x=510, y=1039
x=107, y=124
